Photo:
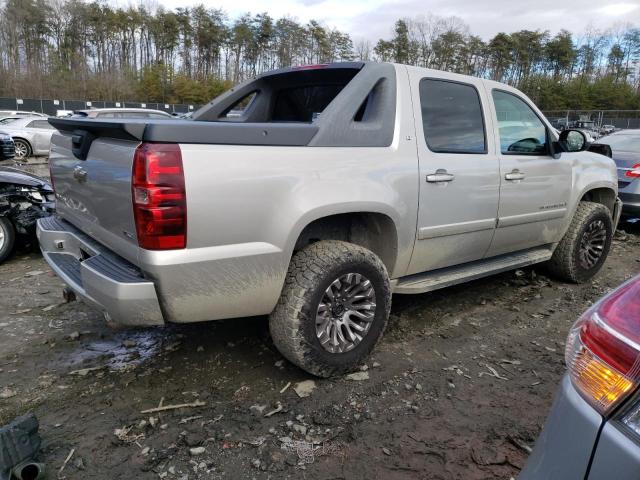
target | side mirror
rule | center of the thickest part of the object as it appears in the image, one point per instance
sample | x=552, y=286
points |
x=573, y=141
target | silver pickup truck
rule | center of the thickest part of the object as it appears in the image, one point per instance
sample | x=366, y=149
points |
x=312, y=194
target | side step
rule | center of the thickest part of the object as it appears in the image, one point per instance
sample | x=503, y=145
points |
x=445, y=277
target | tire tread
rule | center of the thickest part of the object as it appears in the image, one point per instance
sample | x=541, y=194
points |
x=305, y=272
x=562, y=263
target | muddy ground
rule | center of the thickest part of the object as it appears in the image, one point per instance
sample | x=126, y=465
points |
x=458, y=388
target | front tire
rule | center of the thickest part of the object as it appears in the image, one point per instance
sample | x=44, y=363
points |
x=584, y=248
x=7, y=238
x=333, y=309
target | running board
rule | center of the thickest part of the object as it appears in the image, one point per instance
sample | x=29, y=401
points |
x=445, y=277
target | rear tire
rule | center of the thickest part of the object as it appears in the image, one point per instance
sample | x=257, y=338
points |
x=23, y=149
x=586, y=244
x=7, y=238
x=333, y=309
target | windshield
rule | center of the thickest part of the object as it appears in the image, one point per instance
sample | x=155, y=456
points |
x=626, y=142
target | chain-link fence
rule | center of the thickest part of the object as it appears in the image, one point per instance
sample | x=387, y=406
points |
x=596, y=119
x=51, y=107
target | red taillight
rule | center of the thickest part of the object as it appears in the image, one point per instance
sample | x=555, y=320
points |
x=603, y=349
x=159, y=197
x=634, y=172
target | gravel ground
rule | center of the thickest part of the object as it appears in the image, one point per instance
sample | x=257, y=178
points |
x=458, y=388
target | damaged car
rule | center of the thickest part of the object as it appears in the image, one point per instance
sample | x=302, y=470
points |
x=24, y=198
x=7, y=147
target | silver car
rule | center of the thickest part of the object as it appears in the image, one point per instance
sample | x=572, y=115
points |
x=31, y=135
x=332, y=187
x=21, y=113
x=625, y=146
x=593, y=429
x=110, y=113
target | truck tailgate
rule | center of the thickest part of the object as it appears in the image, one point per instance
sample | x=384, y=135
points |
x=94, y=194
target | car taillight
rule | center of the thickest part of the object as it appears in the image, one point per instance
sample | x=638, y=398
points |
x=603, y=348
x=159, y=197
x=634, y=172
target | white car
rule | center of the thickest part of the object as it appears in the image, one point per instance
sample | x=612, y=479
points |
x=31, y=135
x=110, y=113
x=20, y=113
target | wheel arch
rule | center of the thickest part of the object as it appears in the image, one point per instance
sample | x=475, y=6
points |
x=374, y=230
x=604, y=195
x=603, y=192
x=29, y=144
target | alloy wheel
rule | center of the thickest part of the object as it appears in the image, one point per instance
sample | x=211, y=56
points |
x=592, y=244
x=22, y=150
x=345, y=313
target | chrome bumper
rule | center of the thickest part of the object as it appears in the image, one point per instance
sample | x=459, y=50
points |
x=97, y=275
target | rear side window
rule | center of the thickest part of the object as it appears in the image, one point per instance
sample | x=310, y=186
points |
x=40, y=124
x=452, y=117
x=303, y=104
x=238, y=109
x=521, y=131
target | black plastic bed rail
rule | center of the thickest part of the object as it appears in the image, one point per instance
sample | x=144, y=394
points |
x=186, y=131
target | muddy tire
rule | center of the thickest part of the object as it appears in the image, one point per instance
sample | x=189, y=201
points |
x=584, y=248
x=333, y=309
x=7, y=238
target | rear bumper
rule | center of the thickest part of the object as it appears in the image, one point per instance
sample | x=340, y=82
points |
x=629, y=193
x=564, y=447
x=97, y=275
x=630, y=203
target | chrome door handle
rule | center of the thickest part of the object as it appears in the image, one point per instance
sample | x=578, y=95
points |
x=514, y=175
x=441, y=175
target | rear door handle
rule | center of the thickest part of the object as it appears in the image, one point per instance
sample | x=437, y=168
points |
x=514, y=175
x=441, y=175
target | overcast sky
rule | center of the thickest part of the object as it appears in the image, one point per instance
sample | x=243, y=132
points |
x=373, y=19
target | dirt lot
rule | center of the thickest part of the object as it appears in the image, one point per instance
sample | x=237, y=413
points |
x=458, y=388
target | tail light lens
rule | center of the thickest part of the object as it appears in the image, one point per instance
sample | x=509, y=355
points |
x=634, y=172
x=159, y=197
x=603, y=348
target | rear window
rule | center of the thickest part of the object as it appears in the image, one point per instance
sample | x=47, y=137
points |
x=297, y=95
x=303, y=104
x=40, y=124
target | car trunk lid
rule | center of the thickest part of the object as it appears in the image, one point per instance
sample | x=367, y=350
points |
x=92, y=174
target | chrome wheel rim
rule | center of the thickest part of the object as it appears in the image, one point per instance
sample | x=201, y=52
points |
x=345, y=313
x=21, y=149
x=2, y=238
x=592, y=244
